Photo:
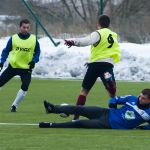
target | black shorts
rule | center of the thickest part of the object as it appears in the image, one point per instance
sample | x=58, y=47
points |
x=9, y=73
x=95, y=70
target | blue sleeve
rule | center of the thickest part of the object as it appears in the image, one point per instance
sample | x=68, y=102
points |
x=36, y=54
x=123, y=99
x=6, y=50
x=118, y=100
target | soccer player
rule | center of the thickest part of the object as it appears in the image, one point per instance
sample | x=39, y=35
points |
x=24, y=51
x=105, y=52
x=134, y=112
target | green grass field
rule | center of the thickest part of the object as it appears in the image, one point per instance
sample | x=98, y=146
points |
x=31, y=110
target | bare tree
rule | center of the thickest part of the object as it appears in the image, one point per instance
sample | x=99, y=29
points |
x=130, y=18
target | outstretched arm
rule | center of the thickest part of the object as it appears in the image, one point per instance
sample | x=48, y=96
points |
x=91, y=39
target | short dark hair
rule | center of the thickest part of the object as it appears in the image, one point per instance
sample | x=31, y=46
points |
x=146, y=92
x=104, y=21
x=26, y=21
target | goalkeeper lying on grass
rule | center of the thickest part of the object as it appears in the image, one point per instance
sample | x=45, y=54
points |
x=134, y=112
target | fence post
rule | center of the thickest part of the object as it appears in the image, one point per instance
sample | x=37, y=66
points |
x=101, y=7
x=38, y=21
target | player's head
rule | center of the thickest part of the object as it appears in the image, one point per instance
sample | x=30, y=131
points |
x=24, y=26
x=144, y=97
x=104, y=21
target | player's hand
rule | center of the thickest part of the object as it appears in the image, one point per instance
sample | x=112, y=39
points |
x=1, y=66
x=31, y=64
x=69, y=43
x=113, y=103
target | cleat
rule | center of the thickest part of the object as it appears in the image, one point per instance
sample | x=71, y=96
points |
x=13, y=108
x=48, y=107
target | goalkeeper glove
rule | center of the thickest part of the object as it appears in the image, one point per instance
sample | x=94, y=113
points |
x=69, y=43
x=113, y=103
x=31, y=64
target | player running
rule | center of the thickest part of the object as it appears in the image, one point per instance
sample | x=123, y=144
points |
x=24, y=51
x=105, y=52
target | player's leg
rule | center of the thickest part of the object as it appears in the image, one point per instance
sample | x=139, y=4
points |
x=98, y=117
x=90, y=124
x=25, y=79
x=109, y=82
x=6, y=75
x=91, y=112
x=88, y=82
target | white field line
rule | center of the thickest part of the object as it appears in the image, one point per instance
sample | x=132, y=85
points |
x=19, y=124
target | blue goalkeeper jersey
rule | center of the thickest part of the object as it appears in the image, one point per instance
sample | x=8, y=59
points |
x=129, y=115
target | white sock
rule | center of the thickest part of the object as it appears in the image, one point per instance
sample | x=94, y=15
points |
x=20, y=95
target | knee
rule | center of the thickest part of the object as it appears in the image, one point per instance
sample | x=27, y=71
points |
x=24, y=87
